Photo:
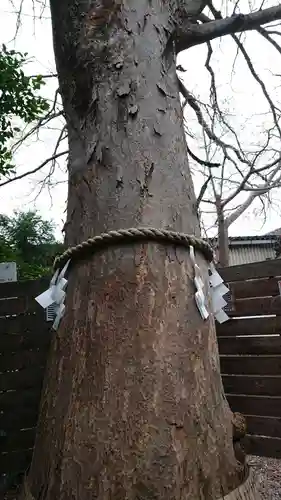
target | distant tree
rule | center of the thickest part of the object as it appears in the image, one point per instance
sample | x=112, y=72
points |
x=27, y=239
x=19, y=102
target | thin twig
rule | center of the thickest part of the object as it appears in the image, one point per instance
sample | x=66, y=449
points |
x=202, y=192
x=202, y=162
x=42, y=165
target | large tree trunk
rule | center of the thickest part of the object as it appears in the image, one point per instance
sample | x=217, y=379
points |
x=133, y=406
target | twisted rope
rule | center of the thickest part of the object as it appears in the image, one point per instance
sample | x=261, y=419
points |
x=125, y=236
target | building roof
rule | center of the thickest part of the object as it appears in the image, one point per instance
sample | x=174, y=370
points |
x=266, y=239
x=254, y=240
x=276, y=232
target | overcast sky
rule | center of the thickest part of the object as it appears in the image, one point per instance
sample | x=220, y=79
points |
x=241, y=95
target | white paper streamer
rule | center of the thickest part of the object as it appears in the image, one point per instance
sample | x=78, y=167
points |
x=218, y=290
x=221, y=316
x=199, y=285
x=55, y=295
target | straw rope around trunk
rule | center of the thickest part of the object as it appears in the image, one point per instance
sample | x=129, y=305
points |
x=133, y=235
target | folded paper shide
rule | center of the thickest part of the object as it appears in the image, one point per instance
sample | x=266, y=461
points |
x=199, y=285
x=55, y=295
x=217, y=290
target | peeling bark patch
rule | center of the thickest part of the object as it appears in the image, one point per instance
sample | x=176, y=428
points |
x=87, y=183
x=124, y=89
x=144, y=492
x=162, y=89
x=99, y=152
x=122, y=114
x=91, y=154
x=145, y=20
x=144, y=186
x=103, y=13
x=167, y=31
x=119, y=63
x=150, y=172
x=119, y=180
x=133, y=110
x=157, y=128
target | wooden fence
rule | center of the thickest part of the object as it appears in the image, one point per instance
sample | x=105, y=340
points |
x=24, y=342
x=250, y=353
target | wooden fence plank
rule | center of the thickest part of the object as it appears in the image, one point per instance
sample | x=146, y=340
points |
x=250, y=345
x=24, y=341
x=25, y=323
x=264, y=269
x=19, y=360
x=250, y=365
x=263, y=446
x=256, y=306
x=15, y=462
x=30, y=288
x=39, y=338
x=22, y=379
x=20, y=305
x=11, y=401
x=252, y=385
x=14, y=487
x=18, y=440
x=255, y=405
x=264, y=426
x=255, y=288
x=13, y=420
x=250, y=326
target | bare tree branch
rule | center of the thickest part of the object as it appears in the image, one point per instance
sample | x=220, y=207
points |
x=29, y=172
x=214, y=97
x=48, y=75
x=266, y=34
x=190, y=99
x=202, y=162
x=42, y=122
x=202, y=192
x=243, y=184
x=61, y=137
x=190, y=34
x=259, y=81
x=250, y=65
x=261, y=190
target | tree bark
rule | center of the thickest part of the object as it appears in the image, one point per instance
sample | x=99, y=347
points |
x=133, y=405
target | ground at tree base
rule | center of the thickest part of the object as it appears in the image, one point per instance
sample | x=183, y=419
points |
x=267, y=471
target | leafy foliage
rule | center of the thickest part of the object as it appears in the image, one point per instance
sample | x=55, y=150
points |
x=18, y=99
x=27, y=239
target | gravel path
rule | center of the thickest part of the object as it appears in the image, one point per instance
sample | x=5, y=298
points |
x=268, y=472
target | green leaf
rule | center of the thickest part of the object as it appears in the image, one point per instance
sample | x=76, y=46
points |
x=18, y=99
